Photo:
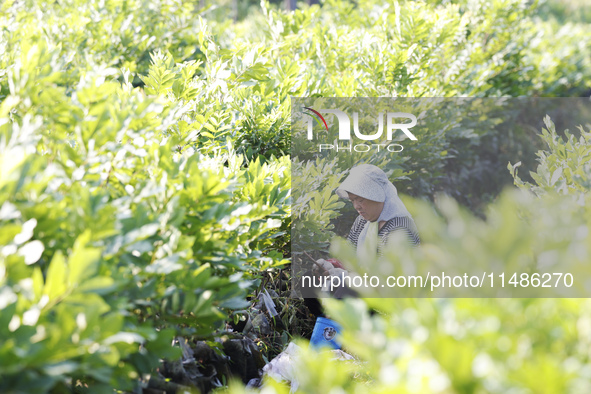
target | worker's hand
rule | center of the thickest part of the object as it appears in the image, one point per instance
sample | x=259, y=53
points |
x=322, y=267
x=335, y=263
x=330, y=267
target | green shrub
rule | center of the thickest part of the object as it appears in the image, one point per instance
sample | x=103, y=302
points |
x=564, y=168
x=114, y=240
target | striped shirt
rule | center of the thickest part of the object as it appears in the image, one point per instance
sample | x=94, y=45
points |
x=403, y=223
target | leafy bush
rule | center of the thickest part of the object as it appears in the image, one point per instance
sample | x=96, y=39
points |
x=564, y=168
x=115, y=240
x=467, y=345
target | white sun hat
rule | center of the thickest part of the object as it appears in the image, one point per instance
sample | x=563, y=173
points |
x=363, y=183
x=370, y=182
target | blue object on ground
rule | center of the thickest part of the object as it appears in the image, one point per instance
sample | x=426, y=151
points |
x=325, y=334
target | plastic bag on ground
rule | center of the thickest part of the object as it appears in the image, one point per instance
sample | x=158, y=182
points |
x=282, y=367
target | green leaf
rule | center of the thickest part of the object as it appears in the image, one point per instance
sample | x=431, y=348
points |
x=55, y=284
x=84, y=261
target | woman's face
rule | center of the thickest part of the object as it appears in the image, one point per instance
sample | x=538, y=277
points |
x=368, y=209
